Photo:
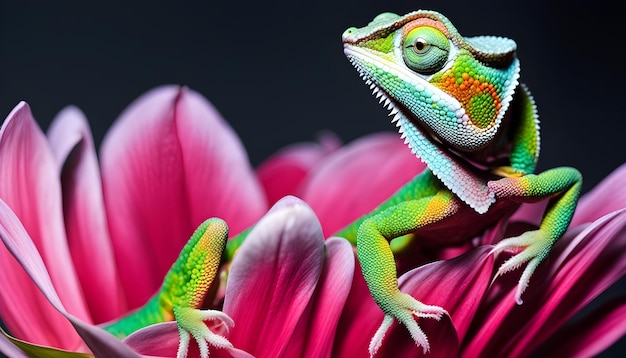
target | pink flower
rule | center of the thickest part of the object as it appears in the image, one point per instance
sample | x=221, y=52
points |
x=485, y=320
x=341, y=184
x=285, y=291
x=107, y=233
x=89, y=241
x=97, y=237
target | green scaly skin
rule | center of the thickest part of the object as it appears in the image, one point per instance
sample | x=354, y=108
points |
x=458, y=102
x=183, y=291
x=459, y=105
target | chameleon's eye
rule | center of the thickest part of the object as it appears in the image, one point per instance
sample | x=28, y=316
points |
x=425, y=49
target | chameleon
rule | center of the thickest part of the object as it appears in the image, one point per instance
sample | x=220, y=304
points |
x=458, y=104
x=460, y=108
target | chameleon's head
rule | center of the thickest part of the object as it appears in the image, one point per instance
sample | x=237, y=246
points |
x=453, y=88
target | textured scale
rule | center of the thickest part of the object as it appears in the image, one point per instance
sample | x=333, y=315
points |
x=459, y=106
x=185, y=284
x=193, y=272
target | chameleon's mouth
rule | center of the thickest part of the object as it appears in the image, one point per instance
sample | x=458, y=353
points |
x=465, y=118
x=456, y=173
x=403, y=118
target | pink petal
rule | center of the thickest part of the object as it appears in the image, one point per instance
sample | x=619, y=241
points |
x=169, y=163
x=458, y=285
x=158, y=340
x=19, y=244
x=441, y=336
x=609, y=195
x=161, y=340
x=584, y=271
x=590, y=336
x=25, y=310
x=315, y=333
x=358, y=322
x=531, y=213
x=29, y=184
x=273, y=277
x=283, y=173
x=363, y=174
x=580, y=268
x=85, y=221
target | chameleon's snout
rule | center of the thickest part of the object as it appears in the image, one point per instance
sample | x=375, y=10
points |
x=347, y=34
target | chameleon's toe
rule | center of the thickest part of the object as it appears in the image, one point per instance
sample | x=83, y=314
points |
x=403, y=307
x=534, y=245
x=191, y=324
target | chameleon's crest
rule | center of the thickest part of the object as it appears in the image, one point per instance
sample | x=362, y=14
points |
x=440, y=87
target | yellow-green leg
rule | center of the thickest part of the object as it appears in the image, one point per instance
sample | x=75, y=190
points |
x=378, y=264
x=562, y=186
x=183, y=291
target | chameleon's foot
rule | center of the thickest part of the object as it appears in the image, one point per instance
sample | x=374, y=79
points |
x=534, y=245
x=402, y=308
x=191, y=323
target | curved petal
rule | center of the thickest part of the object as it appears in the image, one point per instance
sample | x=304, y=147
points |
x=216, y=158
x=29, y=184
x=458, y=285
x=24, y=252
x=441, y=336
x=580, y=274
x=580, y=268
x=283, y=173
x=590, y=336
x=157, y=340
x=169, y=163
x=358, y=177
x=85, y=221
x=25, y=311
x=161, y=340
x=530, y=213
x=315, y=333
x=609, y=195
x=273, y=277
x=359, y=320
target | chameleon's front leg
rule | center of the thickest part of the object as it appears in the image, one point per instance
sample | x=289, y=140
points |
x=183, y=291
x=378, y=265
x=562, y=186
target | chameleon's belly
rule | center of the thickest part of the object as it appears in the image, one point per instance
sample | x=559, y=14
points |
x=465, y=225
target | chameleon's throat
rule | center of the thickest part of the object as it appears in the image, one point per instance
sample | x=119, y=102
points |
x=456, y=173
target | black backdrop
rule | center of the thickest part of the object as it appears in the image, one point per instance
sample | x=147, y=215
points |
x=277, y=71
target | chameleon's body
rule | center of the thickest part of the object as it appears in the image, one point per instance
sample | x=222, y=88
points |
x=458, y=102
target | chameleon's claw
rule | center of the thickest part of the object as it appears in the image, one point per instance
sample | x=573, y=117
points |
x=191, y=323
x=534, y=246
x=403, y=308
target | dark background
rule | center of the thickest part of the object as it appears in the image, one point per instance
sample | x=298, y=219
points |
x=277, y=73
